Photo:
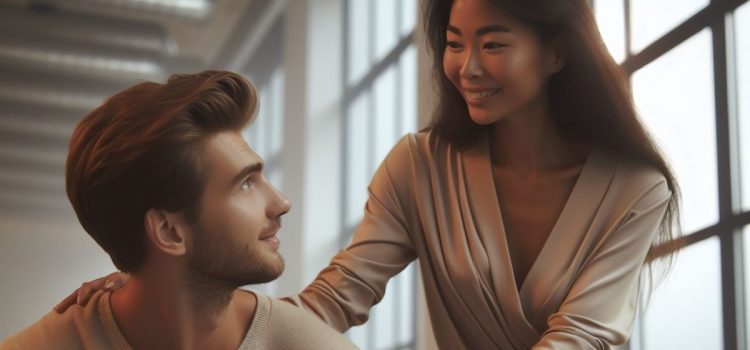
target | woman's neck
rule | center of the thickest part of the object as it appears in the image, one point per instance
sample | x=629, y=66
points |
x=530, y=142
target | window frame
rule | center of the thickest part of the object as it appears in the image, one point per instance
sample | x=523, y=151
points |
x=718, y=17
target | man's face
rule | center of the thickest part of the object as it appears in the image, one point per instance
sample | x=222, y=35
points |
x=235, y=239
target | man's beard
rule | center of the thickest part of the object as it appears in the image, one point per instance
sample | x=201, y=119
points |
x=232, y=264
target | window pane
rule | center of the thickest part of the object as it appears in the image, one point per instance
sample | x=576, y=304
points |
x=610, y=15
x=408, y=16
x=275, y=176
x=384, y=317
x=257, y=134
x=277, y=103
x=385, y=114
x=685, y=310
x=408, y=90
x=357, y=175
x=407, y=304
x=249, y=134
x=742, y=47
x=683, y=124
x=358, y=43
x=386, y=28
x=651, y=19
x=636, y=338
x=358, y=336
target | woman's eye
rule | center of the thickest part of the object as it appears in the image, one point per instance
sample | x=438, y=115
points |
x=453, y=45
x=493, y=46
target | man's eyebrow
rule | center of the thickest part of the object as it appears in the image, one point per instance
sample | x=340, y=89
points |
x=483, y=30
x=252, y=168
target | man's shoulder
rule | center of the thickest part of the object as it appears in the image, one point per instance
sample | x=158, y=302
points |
x=77, y=328
x=291, y=327
x=54, y=330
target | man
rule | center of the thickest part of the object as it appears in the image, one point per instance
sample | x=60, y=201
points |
x=161, y=178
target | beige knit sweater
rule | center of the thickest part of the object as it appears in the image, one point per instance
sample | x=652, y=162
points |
x=276, y=325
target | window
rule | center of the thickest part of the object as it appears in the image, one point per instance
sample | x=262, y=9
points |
x=266, y=133
x=610, y=15
x=696, y=276
x=683, y=122
x=692, y=94
x=650, y=19
x=379, y=107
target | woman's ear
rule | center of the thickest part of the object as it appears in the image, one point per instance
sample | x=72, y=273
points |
x=165, y=231
x=557, y=56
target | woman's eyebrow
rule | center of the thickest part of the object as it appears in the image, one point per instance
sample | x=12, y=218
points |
x=483, y=30
x=491, y=29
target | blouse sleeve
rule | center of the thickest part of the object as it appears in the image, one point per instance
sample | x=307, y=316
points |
x=355, y=280
x=600, y=307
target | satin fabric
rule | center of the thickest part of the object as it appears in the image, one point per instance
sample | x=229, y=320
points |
x=429, y=201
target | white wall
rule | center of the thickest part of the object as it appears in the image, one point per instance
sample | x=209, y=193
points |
x=42, y=260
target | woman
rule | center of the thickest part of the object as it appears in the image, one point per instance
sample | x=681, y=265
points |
x=532, y=201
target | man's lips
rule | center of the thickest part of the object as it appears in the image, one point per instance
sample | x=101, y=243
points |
x=269, y=234
x=271, y=238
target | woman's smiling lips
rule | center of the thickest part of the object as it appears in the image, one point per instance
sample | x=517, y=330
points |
x=479, y=96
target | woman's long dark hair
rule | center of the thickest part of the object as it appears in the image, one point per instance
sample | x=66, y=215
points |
x=590, y=97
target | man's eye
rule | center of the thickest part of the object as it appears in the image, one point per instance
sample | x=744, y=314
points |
x=247, y=185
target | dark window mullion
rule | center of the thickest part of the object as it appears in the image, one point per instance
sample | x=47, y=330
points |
x=397, y=122
x=345, y=207
x=628, y=29
x=727, y=246
x=733, y=201
x=371, y=326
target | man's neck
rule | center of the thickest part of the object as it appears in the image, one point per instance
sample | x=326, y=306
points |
x=157, y=310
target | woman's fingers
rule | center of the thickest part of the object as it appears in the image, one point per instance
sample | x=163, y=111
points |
x=115, y=280
x=82, y=295
x=69, y=301
x=87, y=290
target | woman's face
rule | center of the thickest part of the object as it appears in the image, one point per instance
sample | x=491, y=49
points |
x=497, y=63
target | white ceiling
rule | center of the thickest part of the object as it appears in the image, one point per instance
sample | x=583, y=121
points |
x=60, y=59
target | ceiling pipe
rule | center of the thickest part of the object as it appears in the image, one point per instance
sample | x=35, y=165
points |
x=83, y=28
x=179, y=9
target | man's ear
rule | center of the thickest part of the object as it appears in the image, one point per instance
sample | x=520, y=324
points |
x=166, y=232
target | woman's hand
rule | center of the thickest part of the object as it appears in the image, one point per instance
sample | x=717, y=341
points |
x=81, y=296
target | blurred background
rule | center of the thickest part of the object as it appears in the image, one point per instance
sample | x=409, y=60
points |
x=340, y=82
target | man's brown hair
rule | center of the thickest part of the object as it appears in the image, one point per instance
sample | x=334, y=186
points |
x=142, y=149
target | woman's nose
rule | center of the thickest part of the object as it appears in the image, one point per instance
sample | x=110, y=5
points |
x=472, y=67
